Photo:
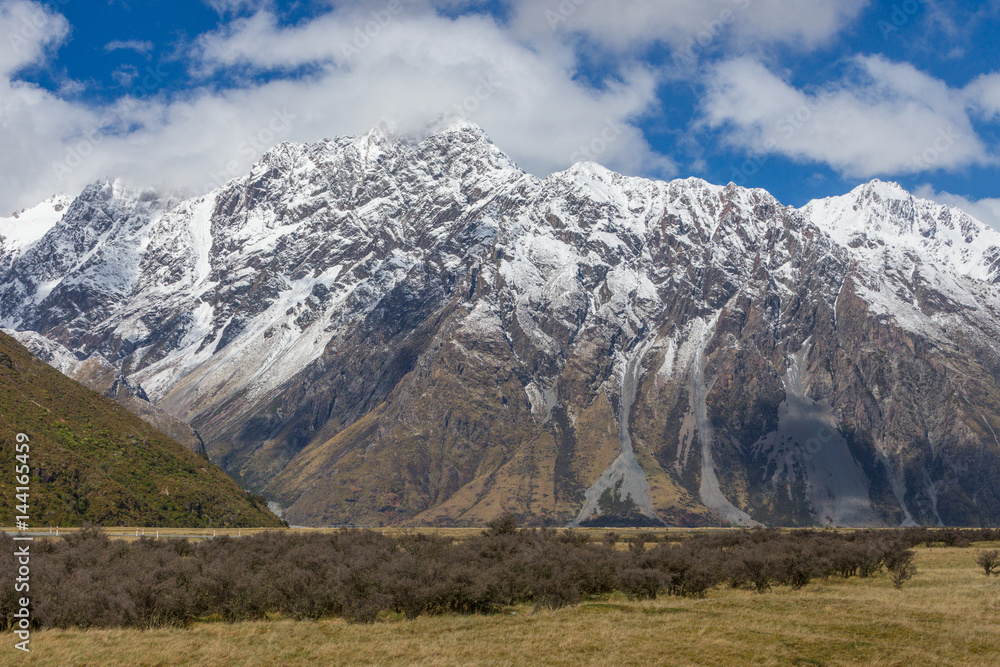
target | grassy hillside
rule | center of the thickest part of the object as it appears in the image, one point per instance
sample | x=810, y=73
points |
x=93, y=461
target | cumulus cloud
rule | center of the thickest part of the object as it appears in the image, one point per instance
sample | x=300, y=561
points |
x=886, y=118
x=403, y=68
x=411, y=69
x=983, y=95
x=230, y=6
x=28, y=30
x=255, y=81
x=684, y=24
x=34, y=122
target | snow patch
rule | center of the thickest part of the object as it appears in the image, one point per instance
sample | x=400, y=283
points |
x=29, y=225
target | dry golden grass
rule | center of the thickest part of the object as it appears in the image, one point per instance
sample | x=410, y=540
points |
x=126, y=533
x=948, y=615
x=454, y=533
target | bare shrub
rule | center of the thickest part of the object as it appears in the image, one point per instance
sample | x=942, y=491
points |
x=505, y=524
x=989, y=561
x=752, y=567
x=640, y=584
x=899, y=563
x=87, y=580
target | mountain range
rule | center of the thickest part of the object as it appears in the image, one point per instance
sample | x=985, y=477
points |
x=385, y=330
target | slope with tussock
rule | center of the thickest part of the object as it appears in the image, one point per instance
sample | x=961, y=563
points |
x=92, y=461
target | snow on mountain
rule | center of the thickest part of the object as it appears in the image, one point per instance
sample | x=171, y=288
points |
x=922, y=263
x=883, y=223
x=47, y=350
x=246, y=332
x=340, y=280
x=25, y=227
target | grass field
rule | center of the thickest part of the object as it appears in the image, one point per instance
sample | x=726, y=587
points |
x=949, y=614
x=131, y=533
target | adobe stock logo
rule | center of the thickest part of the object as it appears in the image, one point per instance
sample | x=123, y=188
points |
x=710, y=32
x=786, y=128
x=564, y=10
x=928, y=159
x=599, y=144
x=254, y=145
x=31, y=26
x=901, y=15
x=365, y=34
x=79, y=150
x=486, y=86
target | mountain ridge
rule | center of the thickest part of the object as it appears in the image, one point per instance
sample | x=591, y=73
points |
x=292, y=314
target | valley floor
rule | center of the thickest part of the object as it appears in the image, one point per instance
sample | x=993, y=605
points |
x=947, y=615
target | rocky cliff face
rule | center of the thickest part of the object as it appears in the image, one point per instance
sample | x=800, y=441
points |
x=386, y=330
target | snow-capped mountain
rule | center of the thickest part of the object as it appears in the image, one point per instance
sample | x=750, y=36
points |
x=384, y=329
x=25, y=227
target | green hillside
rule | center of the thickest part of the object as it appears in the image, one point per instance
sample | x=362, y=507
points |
x=92, y=461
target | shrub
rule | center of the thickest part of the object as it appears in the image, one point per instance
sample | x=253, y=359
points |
x=899, y=563
x=88, y=580
x=752, y=567
x=989, y=561
x=800, y=573
x=505, y=524
x=637, y=543
x=640, y=583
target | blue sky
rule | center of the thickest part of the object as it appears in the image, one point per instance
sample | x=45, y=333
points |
x=804, y=98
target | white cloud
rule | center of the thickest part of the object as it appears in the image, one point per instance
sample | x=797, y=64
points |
x=33, y=121
x=229, y=6
x=28, y=31
x=983, y=95
x=373, y=61
x=888, y=118
x=985, y=210
x=125, y=75
x=410, y=71
x=412, y=67
x=257, y=41
x=139, y=46
x=684, y=24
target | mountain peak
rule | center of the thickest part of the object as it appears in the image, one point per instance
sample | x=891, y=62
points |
x=884, y=190
x=451, y=123
x=28, y=225
x=882, y=219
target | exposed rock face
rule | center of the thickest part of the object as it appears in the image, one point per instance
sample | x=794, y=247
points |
x=382, y=330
